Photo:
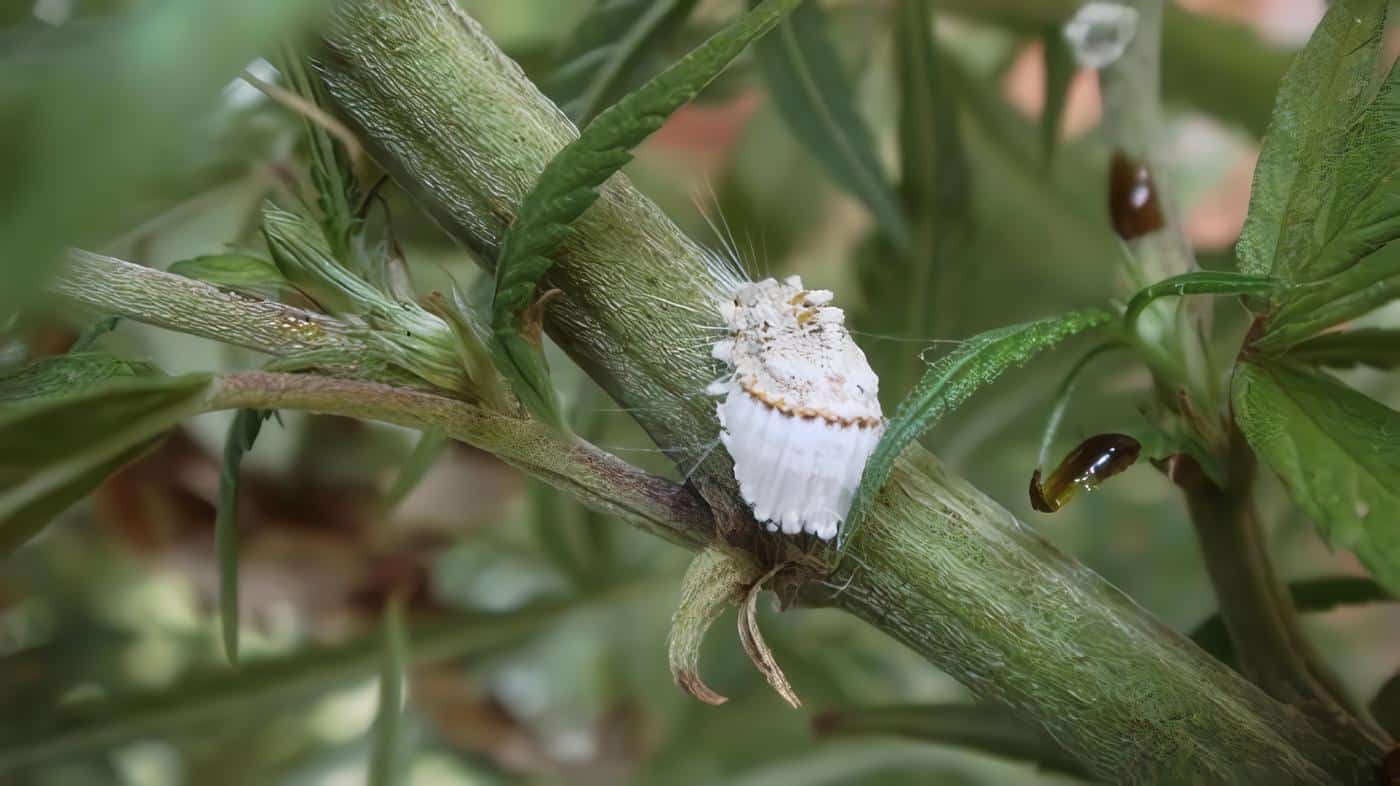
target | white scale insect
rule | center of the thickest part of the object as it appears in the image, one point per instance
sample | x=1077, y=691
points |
x=800, y=414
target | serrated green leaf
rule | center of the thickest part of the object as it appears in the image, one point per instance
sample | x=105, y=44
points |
x=950, y=381
x=66, y=374
x=1297, y=178
x=386, y=760
x=569, y=185
x=1374, y=347
x=242, y=433
x=1197, y=282
x=1309, y=596
x=812, y=92
x=58, y=449
x=987, y=728
x=609, y=49
x=238, y=272
x=1336, y=450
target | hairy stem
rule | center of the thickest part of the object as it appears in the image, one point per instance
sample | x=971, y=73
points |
x=597, y=478
x=1258, y=612
x=155, y=297
x=939, y=566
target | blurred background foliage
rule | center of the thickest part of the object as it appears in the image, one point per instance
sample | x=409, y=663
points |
x=538, y=627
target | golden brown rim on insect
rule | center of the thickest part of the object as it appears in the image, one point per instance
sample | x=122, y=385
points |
x=807, y=413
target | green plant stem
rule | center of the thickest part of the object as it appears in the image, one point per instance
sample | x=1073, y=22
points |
x=1258, y=611
x=939, y=566
x=114, y=286
x=597, y=478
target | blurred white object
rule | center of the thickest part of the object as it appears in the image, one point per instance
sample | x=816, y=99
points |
x=801, y=412
x=1099, y=33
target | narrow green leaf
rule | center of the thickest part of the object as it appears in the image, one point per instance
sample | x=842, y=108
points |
x=906, y=293
x=569, y=185
x=1198, y=282
x=238, y=272
x=242, y=433
x=386, y=760
x=1060, y=404
x=1059, y=72
x=815, y=96
x=950, y=381
x=337, y=192
x=92, y=333
x=609, y=49
x=472, y=339
x=1297, y=177
x=1385, y=707
x=66, y=374
x=1374, y=347
x=1336, y=450
x=987, y=728
x=431, y=444
x=57, y=449
x=1309, y=596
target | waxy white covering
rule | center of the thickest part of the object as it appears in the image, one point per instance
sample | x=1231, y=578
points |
x=800, y=414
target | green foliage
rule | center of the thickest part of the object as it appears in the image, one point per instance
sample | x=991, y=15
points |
x=1309, y=596
x=609, y=52
x=950, y=381
x=569, y=185
x=1325, y=194
x=92, y=333
x=904, y=290
x=430, y=446
x=471, y=339
x=407, y=335
x=242, y=433
x=1198, y=282
x=238, y=272
x=813, y=93
x=1336, y=450
x=1060, y=404
x=386, y=761
x=1374, y=347
x=101, y=111
x=988, y=728
x=66, y=374
x=200, y=703
x=58, y=448
x=337, y=192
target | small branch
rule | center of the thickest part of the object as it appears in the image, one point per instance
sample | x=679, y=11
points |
x=114, y=286
x=598, y=479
